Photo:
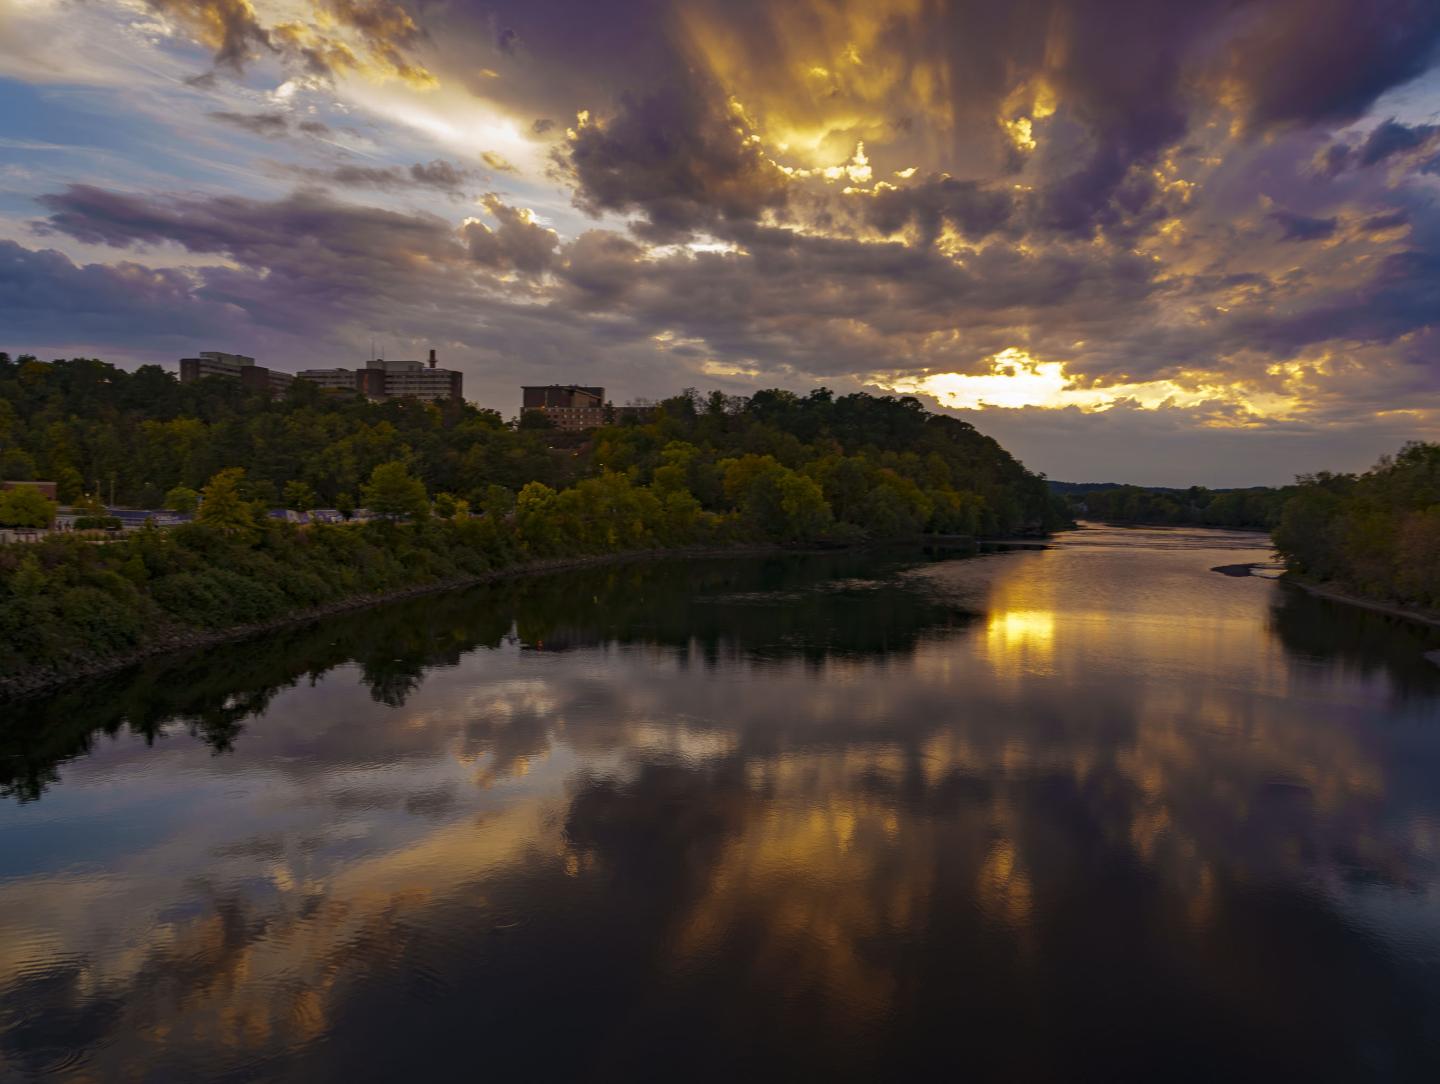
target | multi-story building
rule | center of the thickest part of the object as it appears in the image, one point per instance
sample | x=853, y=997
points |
x=568, y=406
x=213, y=363
x=383, y=378
x=235, y=366
x=333, y=379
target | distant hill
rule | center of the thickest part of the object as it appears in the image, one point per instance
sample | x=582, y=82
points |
x=1065, y=489
x=1255, y=508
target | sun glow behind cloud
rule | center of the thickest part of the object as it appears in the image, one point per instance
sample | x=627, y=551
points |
x=1017, y=380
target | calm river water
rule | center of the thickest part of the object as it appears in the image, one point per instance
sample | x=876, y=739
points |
x=1090, y=811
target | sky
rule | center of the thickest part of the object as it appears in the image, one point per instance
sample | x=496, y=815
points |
x=1133, y=240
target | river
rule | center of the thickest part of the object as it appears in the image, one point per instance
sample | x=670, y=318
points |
x=1081, y=811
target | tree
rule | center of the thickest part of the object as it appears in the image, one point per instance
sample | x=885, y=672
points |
x=25, y=506
x=91, y=505
x=535, y=419
x=16, y=465
x=29, y=579
x=225, y=510
x=299, y=497
x=775, y=500
x=345, y=504
x=68, y=484
x=393, y=492
x=182, y=499
x=497, y=501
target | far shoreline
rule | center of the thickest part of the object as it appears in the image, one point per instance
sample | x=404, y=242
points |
x=178, y=640
x=39, y=681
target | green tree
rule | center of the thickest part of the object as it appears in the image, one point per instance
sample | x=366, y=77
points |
x=497, y=502
x=299, y=497
x=68, y=484
x=29, y=579
x=25, y=506
x=182, y=499
x=393, y=492
x=223, y=509
x=774, y=500
x=91, y=505
x=17, y=465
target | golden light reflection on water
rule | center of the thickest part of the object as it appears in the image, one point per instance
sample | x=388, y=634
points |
x=1021, y=640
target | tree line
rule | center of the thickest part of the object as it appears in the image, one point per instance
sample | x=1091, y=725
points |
x=454, y=490
x=1255, y=509
x=1376, y=533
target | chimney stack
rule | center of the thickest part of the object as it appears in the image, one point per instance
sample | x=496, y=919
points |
x=432, y=359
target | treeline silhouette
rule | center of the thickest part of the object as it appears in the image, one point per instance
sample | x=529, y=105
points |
x=1255, y=509
x=1377, y=533
x=456, y=493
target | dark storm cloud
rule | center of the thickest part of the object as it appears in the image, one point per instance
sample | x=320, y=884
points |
x=245, y=229
x=269, y=125
x=973, y=210
x=438, y=175
x=830, y=306
x=1296, y=227
x=1307, y=61
x=1393, y=138
x=1385, y=141
x=1133, y=80
x=682, y=159
x=123, y=304
x=1388, y=221
x=601, y=268
x=515, y=244
x=1401, y=299
x=306, y=257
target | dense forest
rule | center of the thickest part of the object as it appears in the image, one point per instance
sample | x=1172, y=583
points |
x=1257, y=509
x=1377, y=534
x=456, y=492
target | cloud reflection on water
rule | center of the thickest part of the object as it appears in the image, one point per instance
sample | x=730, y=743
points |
x=1111, y=769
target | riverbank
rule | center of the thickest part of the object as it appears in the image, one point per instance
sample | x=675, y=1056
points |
x=1394, y=609
x=176, y=638
x=1335, y=594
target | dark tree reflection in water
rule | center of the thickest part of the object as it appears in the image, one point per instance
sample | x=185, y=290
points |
x=1084, y=811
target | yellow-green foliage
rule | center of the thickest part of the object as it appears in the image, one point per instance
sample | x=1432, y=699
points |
x=25, y=506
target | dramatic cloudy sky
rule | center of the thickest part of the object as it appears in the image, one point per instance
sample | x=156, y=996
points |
x=1140, y=240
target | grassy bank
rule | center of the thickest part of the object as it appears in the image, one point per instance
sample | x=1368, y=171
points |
x=85, y=657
